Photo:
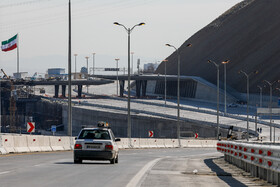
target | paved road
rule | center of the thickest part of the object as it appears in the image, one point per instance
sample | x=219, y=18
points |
x=160, y=110
x=142, y=166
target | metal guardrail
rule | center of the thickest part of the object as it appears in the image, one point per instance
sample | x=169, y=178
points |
x=261, y=155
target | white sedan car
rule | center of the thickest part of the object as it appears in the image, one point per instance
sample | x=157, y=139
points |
x=96, y=144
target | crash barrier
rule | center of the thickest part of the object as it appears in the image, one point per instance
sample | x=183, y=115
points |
x=14, y=143
x=259, y=159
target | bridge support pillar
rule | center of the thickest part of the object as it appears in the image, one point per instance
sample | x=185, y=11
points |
x=80, y=87
x=121, y=87
x=56, y=89
x=144, y=88
x=63, y=90
x=138, y=88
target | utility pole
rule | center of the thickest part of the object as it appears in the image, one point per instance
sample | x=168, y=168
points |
x=69, y=77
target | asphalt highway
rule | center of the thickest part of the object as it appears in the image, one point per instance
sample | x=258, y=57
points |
x=139, y=167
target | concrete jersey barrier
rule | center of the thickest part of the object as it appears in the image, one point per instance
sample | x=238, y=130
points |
x=20, y=144
x=7, y=142
x=11, y=143
x=33, y=143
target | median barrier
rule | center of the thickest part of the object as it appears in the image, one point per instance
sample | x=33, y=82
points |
x=72, y=142
x=135, y=143
x=160, y=143
x=7, y=144
x=209, y=143
x=168, y=143
x=66, y=143
x=125, y=143
x=175, y=143
x=184, y=142
x=120, y=146
x=152, y=143
x=2, y=150
x=194, y=143
x=56, y=143
x=33, y=143
x=20, y=144
x=144, y=143
x=44, y=143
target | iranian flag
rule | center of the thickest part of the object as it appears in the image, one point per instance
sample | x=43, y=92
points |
x=10, y=44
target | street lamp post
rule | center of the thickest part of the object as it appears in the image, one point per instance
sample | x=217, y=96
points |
x=247, y=77
x=93, y=64
x=270, y=109
x=87, y=70
x=117, y=60
x=132, y=53
x=128, y=30
x=218, y=96
x=178, y=91
x=165, y=81
x=225, y=83
x=260, y=96
x=75, y=66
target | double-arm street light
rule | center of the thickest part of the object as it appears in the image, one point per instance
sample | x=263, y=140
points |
x=178, y=91
x=270, y=109
x=218, y=92
x=128, y=30
x=247, y=77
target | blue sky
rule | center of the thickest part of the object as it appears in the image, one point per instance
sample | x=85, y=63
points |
x=42, y=27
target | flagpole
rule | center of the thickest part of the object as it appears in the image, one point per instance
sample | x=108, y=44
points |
x=18, y=54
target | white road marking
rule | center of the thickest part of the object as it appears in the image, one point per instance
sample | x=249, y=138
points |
x=5, y=172
x=139, y=177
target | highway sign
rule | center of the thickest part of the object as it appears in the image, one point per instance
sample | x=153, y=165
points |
x=196, y=135
x=53, y=128
x=30, y=127
x=151, y=134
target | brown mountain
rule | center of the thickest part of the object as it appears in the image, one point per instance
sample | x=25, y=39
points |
x=248, y=35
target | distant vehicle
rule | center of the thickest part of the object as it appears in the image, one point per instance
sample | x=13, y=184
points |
x=232, y=105
x=96, y=144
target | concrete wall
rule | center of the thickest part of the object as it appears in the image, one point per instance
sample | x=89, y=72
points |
x=204, y=92
x=163, y=128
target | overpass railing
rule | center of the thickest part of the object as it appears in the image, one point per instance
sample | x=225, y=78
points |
x=260, y=159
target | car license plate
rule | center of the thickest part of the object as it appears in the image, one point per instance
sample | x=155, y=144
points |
x=93, y=146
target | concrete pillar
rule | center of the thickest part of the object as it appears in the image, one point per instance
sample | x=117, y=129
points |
x=138, y=88
x=144, y=87
x=121, y=87
x=63, y=90
x=80, y=87
x=56, y=89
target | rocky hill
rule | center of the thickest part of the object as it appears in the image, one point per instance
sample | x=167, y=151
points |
x=248, y=35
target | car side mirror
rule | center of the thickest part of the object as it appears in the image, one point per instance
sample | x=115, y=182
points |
x=117, y=140
x=76, y=138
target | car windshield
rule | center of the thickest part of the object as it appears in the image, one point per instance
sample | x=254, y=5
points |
x=95, y=134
